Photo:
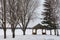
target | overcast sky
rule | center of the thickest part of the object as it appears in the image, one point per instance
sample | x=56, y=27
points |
x=39, y=12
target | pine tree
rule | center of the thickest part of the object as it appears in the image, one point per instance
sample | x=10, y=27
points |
x=49, y=19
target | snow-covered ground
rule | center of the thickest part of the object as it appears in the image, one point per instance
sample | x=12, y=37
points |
x=29, y=35
x=32, y=37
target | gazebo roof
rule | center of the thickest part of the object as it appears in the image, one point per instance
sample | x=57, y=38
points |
x=39, y=26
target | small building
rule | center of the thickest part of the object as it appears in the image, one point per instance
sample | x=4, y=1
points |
x=39, y=26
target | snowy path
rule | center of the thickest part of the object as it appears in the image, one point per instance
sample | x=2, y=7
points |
x=32, y=37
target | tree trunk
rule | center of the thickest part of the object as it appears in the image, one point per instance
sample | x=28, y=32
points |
x=4, y=17
x=4, y=34
x=13, y=34
x=50, y=32
x=23, y=32
x=55, y=31
x=13, y=30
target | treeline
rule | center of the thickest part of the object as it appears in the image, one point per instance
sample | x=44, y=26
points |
x=17, y=12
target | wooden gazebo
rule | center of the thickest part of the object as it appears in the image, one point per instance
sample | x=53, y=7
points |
x=39, y=26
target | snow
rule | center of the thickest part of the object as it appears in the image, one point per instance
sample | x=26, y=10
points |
x=29, y=36
x=32, y=37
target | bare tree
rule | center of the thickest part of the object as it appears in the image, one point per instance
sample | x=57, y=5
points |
x=13, y=16
x=18, y=12
x=3, y=2
x=26, y=12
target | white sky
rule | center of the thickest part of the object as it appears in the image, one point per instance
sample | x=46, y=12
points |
x=39, y=12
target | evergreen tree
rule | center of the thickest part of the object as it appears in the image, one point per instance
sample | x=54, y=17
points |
x=49, y=18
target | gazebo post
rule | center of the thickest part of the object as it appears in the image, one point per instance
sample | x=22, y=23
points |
x=34, y=31
x=45, y=30
x=50, y=32
x=42, y=31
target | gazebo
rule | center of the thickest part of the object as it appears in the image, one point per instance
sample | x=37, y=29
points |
x=39, y=26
